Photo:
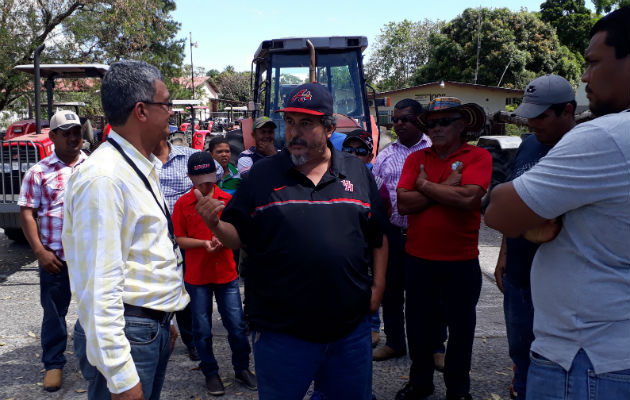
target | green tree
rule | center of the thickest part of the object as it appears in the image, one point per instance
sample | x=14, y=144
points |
x=398, y=51
x=233, y=85
x=606, y=6
x=572, y=20
x=84, y=31
x=515, y=47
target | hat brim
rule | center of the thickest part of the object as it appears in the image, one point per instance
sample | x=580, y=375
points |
x=266, y=123
x=65, y=127
x=474, y=115
x=530, y=110
x=300, y=110
x=203, y=178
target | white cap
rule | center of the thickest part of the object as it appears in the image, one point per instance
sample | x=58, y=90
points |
x=64, y=119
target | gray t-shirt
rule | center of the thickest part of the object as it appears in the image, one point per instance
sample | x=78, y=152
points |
x=581, y=279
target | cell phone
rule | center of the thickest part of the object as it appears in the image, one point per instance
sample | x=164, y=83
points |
x=456, y=165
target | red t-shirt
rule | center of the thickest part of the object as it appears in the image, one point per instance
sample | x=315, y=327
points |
x=202, y=267
x=442, y=232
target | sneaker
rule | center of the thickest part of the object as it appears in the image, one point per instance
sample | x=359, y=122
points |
x=192, y=353
x=247, y=379
x=385, y=353
x=52, y=380
x=375, y=338
x=215, y=385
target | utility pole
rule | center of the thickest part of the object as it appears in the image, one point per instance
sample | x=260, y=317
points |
x=192, y=68
x=478, y=43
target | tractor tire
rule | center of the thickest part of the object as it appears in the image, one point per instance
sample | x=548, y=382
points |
x=15, y=234
x=501, y=168
x=235, y=140
x=178, y=139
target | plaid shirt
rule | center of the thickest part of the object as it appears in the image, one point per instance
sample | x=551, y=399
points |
x=388, y=166
x=174, y=179
x=43, y=189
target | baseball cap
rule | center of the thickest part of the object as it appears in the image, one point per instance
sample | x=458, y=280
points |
x=64, y=119
x=360, y=135
x=262, y=121
x=201, y=168
x=309, y=98
x=543, y=92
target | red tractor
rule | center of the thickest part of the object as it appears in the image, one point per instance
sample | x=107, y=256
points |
x=27, y=142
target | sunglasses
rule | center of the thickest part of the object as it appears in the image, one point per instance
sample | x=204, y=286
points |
x=441, y=121
x=404, y=119
x=359, y=151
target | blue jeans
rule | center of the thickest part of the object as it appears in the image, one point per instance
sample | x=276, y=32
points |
x=519, y=324
x=375, y=322
x=54, y=293
x=547, y=380
x=286, y=365
x=150, y=350
x=231, y=310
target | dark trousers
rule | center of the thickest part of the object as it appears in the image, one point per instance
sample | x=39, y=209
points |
x=54, y=290
x=456, y=285
x=394, y=295
x=184, y=319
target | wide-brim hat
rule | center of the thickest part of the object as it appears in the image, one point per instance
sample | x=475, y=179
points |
x=474, y=115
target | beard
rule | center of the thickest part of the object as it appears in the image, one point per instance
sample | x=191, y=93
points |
x=299, y=160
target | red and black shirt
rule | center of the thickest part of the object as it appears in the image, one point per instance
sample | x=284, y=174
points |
x=308, y=246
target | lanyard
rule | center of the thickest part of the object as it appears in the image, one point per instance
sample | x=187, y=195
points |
x=163, y=207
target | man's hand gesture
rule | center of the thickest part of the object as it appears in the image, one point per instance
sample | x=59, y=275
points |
x=209, y=209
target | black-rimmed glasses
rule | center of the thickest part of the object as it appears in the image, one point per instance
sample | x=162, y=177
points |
x=169, y=105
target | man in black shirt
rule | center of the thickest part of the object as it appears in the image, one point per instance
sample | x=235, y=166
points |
x=312, y=222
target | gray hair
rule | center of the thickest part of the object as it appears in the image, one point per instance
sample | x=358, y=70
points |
x=329, y=121
x=125, y=84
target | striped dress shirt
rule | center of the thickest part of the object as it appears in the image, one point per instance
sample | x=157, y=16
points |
x=118, y=251
x=388, y=166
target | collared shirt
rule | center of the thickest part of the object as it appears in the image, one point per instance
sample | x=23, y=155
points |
x=118, y=251
x=581, y=279
x=42, y=189
x=230, y=183
x=202, y=267
x=174, y=174
x=388, y=166
x=441, y=232
x=247, y=158
x=308, y=246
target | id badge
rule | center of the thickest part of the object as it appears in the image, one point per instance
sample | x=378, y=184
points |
x=178, y=255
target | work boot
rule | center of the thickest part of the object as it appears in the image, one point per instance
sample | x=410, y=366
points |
x=215, y=385
x=375, y=338
x=246, y=378
x=52, y=380
x=410, y=392
x=385, y=353
x=192, y=353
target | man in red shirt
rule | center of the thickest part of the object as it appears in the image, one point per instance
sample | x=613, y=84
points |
x=440, y=188
x=210, y=269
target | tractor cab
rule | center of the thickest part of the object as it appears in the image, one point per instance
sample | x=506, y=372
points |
x=335, y=62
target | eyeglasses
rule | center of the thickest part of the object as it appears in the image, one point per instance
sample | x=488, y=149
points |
x=441, y=121
x=404, y=119
x=169, y=105
x=359, y=151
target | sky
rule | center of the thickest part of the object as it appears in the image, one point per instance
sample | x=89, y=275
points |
x=229, y=32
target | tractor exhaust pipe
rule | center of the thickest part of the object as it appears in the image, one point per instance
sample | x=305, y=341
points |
x=38, y=88
x=313, y=63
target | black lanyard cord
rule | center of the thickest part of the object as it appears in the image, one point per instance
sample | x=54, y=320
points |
x=163, y=207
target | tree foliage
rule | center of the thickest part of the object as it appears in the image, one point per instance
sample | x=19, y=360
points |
x=518, y=44
x=398, y=51
x=84, y=31
x=233, y=85
x=606, y=6
x=572, y=20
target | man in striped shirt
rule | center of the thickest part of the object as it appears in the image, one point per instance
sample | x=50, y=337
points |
x=388, y=166
x=124, y=266
x=41, y=198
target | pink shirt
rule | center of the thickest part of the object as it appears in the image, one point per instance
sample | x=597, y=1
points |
x=43, y=189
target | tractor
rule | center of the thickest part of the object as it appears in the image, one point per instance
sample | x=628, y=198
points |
x=29, y=141
x=281, y=64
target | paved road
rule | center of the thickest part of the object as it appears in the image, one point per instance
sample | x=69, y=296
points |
x=21, y=370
